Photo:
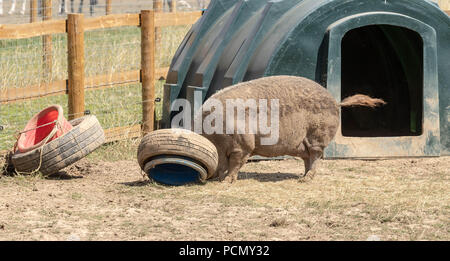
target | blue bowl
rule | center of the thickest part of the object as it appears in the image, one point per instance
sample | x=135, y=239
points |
x=175, y=170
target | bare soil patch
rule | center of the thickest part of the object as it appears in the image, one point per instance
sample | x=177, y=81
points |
x=402, y=199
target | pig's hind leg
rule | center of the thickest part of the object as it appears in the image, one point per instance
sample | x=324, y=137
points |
x=311, y=157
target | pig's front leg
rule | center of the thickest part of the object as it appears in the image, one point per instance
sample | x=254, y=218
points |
x=222, y=167
x=237, y=160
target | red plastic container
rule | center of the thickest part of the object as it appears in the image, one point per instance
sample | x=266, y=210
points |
x=44, y=127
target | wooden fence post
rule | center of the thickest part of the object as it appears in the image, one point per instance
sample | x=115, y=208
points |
x=444, y=4
x=158, y=7
x=75, y=47
x=47, y=42
x=173, y=6
x=33, y=10
x=108, y=7
x=148, y=69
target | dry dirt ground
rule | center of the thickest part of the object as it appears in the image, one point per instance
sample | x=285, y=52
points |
x=403, y=199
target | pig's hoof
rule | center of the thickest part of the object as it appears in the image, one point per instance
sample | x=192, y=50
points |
x=307, y=177
x=214, y=179
x=229, y=179
x=222, y=178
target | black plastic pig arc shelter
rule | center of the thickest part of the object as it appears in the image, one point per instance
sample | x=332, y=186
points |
x=397, y=50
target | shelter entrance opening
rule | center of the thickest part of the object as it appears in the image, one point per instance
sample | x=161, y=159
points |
x=383, y=61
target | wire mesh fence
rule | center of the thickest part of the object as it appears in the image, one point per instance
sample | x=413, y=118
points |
x=22, y=11
x=36, y=67
x=22, y=70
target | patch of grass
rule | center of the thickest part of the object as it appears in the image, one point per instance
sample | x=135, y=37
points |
x=76, y=196
x=114, y=151
x=228, y=201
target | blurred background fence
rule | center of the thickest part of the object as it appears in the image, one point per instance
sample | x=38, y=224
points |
x=37, y=64
x=444, y=4
x=25, y=11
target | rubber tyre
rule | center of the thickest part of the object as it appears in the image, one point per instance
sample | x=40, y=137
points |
x=181, y=143
x=86, y=136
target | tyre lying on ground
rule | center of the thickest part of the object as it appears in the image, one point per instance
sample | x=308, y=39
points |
x=177, y=157
x=86, y=135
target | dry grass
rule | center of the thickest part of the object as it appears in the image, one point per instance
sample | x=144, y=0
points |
x=405, y=199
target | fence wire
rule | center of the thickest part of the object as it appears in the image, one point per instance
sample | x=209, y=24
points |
x=24, y=73
x=21, y=12
x=108, y=52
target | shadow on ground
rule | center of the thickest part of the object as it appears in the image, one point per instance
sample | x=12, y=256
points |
x=139, y=183
x=267, y=177
x=63, y=175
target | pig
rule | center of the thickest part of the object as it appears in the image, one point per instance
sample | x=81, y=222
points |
x=308, y=121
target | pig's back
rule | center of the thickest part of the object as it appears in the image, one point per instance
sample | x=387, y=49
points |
x=295, y=94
